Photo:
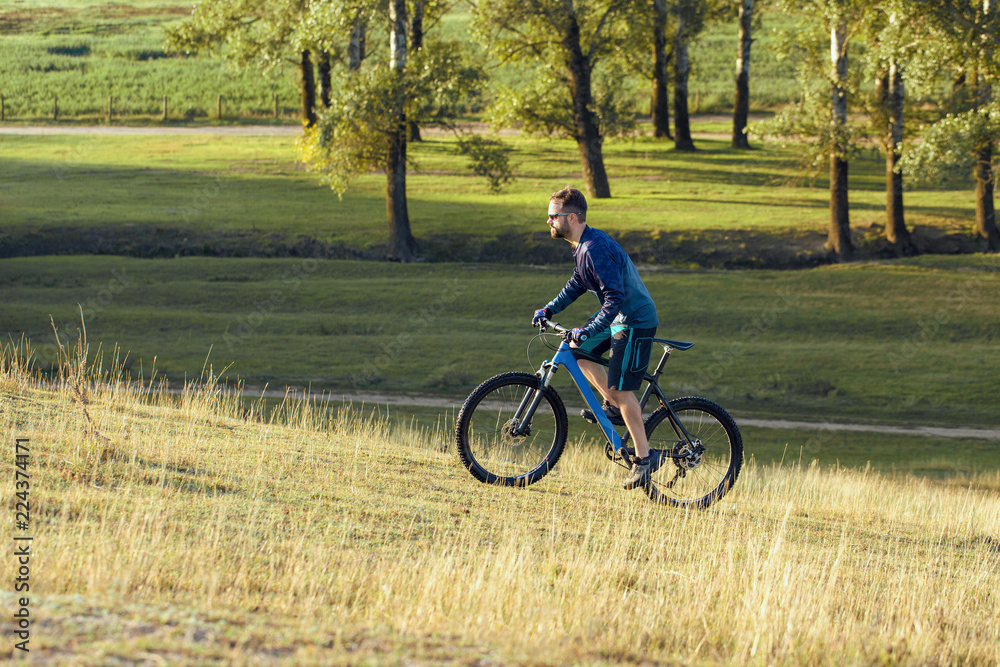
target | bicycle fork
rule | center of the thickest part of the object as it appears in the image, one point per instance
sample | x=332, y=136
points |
x=531, y=399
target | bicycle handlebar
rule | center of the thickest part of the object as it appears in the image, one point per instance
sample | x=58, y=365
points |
x=545, y=322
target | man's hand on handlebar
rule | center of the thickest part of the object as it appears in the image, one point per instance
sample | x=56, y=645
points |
x=540, y=314
x=573, y=336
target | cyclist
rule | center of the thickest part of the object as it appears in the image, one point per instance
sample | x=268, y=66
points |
x=624, y=326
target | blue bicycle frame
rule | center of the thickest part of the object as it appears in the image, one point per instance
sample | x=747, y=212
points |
x=564, y=357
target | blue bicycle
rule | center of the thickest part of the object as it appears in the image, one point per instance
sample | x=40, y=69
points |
x=512, y=430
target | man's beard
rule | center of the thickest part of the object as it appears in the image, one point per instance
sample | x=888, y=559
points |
x=556, y=234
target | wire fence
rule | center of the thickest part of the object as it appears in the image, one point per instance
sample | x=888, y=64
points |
x=162, y=110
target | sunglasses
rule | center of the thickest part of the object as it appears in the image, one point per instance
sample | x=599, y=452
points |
x=553, y=216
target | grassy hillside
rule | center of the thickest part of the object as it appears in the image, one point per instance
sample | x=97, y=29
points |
x=167, y=529
x=907, y=342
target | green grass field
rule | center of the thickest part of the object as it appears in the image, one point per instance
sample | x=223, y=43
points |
x=908, y=341
x=232, y=196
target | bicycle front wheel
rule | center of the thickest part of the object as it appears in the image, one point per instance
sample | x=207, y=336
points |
x=696, y=472
x=495, y=440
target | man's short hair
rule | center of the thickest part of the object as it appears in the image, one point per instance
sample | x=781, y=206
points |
x=572, y=201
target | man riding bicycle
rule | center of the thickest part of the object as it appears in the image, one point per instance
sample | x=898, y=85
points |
x=624, y=326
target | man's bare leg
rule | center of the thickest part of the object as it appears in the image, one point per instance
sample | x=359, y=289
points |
x=632, y=414
x=623, y=400
x=597, y=376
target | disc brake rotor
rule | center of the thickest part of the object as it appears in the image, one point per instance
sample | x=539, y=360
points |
x=688, y=456
x=509, y=430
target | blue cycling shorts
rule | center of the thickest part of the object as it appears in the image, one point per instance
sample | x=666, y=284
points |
x=628, y=357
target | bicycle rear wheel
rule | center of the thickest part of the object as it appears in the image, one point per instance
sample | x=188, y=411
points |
x=697, y=473
x=495, y=446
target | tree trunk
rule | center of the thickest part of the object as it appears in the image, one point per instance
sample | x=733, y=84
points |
x=839, y=238
x=986, y=219
x=741, y=108
x=896, y=232
x=660, y=106
x=588, y=133
x=416, y=43
x=308, y=90
x=356, y=45
x=402, y=246
x=325, y=84
x=682, y=68
x=982, y=89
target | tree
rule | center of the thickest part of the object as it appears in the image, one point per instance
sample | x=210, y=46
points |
x=690, y=18
x=741, y=105
x=897, y=39
x=965, y=34
x=251, y=33
x=424, y=15
x=324, y=69
x=402, y=245
x=268, y=34
x=828, y=27
x=567, y=40
x=416, y=42
x=650, y=32
x=660, y=106
x=366, y=126
x=308, y=89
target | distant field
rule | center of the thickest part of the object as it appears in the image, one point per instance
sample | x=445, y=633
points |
x=85, y=51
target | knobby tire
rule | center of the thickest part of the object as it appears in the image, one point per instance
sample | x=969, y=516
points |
x=702, y=479
x=489, y=449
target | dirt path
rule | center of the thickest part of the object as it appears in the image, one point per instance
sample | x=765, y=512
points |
x=456, y=404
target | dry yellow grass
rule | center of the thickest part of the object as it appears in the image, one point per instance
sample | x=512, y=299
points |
x=170, y=528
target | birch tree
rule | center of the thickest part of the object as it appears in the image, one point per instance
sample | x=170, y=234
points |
x=660, y=103
x=402, y=245
x=268, y=35
x=568, y=41
x=899, y=40
x=366, y=126
x=828, y=26
x=690, y=16
x=965, y=34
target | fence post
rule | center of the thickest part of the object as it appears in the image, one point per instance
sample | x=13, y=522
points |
x=164, y=108
x=3, y=111
x=55, y=107
x=219, y=113
x=111, y=107
x=276, y=105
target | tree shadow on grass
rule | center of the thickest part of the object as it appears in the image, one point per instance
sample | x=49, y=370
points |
x=80, y=208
